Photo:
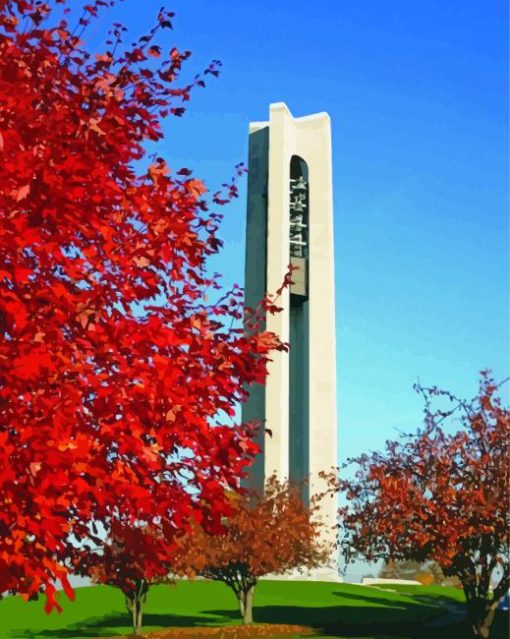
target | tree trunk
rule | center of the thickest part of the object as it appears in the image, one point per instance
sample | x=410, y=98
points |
x=137, y=616
x=481, y=615
x=246, y=604
x=240, y=598
x=134, y=601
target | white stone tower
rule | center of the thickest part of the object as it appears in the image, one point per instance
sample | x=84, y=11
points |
x=290, y=219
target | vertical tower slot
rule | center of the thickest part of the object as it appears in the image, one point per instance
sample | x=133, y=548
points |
x=299, y=445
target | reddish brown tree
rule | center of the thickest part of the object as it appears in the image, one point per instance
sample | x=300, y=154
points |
x=115, y=370
x=264, y=534
x=132, y=559
x=443, y=497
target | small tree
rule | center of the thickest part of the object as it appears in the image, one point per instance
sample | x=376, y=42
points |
x=400, y=570
x=133, y=559
x=427, y=573
x=435, y=496
x=264, y=534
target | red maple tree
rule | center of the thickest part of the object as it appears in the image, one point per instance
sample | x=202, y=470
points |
x=115, y=370
x=443, y=497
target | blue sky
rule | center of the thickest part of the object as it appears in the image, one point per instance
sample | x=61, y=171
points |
x=417, y=94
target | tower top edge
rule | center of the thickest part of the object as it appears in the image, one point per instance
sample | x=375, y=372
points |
x=282, y=107
x=279, y=106
x=323, y=115
x=256, y=126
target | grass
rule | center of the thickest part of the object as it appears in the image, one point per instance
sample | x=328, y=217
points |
x=332, y=610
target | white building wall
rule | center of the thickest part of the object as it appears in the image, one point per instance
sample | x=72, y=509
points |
x=310, y=138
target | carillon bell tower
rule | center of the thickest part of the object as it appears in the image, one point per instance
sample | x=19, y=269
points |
x=290, y=220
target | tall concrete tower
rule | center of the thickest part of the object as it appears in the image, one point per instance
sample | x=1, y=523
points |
x=290, y=220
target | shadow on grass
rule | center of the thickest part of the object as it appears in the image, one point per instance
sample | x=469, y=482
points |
x=409, y=621
x=461, y=630
x=412, y=602
x=341, y=621
x=109, y=625
x=397, y=619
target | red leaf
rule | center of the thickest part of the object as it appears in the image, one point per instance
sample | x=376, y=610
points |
x=154, y=51
x=22, y=192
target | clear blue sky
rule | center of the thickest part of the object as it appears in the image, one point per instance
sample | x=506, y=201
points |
x=417, y=94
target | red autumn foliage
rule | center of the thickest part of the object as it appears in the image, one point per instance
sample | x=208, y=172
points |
x=113, y=366
x=132, y=559
x=442, y=497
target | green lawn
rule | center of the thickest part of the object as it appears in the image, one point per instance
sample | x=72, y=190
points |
x=334, y=610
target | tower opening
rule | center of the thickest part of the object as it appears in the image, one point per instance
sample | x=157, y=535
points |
x=299, y=445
